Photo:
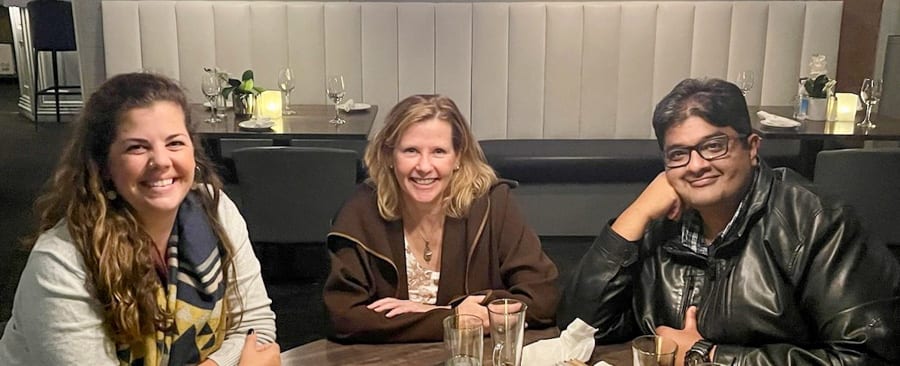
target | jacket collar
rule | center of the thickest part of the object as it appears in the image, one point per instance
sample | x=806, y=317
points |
x=759, y=198
x=757, y=201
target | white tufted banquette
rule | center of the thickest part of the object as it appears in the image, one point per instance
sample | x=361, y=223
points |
x=517, y=70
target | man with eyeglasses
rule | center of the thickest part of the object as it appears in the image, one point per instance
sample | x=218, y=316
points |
x=738, y=263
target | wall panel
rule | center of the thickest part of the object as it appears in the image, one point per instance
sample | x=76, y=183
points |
x=122, y=37
x=562, y=101
x=159, y=38
x=591, y=69
x=527, y=45
x=673, y=50
x=490, y=60
x=599, y=73
x=196, y=44
x=636, y=58
x=712, y=34
x=784, y=39
x=306, y=50
x=453, y=54
x=231, y=40
x=748, y=42
x=343, y=45
x=415, y=53
x=380, y=52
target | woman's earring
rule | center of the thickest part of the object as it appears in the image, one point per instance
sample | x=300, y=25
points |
x=111, y=195
x=456, y=169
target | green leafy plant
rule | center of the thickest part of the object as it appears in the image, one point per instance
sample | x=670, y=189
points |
x=243, y=86
x=816, y=88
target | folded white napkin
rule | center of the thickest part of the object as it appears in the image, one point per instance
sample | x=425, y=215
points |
x=346, y=106
x=263, y=122
x=771, y=120
x=575, y=342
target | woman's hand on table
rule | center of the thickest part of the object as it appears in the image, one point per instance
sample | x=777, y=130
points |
x=472, y=306
x=254, y=354
x=395, y=307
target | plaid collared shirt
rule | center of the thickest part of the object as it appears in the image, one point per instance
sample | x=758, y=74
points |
x=692, y=227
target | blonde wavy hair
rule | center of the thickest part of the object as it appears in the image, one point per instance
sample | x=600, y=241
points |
x=117, y=251
x=473, y=179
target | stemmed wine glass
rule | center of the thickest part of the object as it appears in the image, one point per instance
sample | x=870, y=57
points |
x=745, y=81
x=211, y=88
x=286, y=84
x=334, y=87
x=870, y=92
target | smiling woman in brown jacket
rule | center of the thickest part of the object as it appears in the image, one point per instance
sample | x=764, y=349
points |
x=431, y=228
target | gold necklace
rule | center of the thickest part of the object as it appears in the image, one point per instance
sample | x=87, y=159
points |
x=428, y=253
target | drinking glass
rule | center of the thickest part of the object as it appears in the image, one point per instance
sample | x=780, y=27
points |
x=653, y=350
x=464, y=339
x=211, y=86
x=334, y=88
x=745, y=81
x=286, y=84
x=870, y=92
x=507, y=318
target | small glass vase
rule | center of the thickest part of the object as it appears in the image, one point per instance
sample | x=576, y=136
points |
x=244, y=106
x=818, y=109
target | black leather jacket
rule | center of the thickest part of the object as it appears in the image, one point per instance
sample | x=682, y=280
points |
x=798, y=283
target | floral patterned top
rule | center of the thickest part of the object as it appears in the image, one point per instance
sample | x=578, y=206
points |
x=422, y=282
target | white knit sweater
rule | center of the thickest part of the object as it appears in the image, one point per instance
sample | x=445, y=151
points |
x=56, y=320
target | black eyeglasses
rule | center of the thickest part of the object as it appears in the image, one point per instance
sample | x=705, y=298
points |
x=710, y=149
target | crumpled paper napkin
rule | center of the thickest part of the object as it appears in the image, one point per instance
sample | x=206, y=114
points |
x=346, y=106
x=771, y=120
x=575, y=342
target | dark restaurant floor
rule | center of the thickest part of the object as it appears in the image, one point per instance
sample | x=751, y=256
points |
x=27, y=158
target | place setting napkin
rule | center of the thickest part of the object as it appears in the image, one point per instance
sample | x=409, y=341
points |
x=771, y=120
x=576, y=342
x=346, y=106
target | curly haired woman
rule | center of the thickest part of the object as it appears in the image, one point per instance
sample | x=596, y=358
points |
x=140, y=259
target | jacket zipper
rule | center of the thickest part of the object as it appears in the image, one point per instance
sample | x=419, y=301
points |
x=487, y=213
x=688, y=288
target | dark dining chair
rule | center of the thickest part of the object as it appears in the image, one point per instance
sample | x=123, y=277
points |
x=52, y=30
x=226, y=148
x=227, y=145
x=350, y=144
x=289, y=197
x=869, y=181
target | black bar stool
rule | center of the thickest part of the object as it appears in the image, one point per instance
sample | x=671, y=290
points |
x=52, y=29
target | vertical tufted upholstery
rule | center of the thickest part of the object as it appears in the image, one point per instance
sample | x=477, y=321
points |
x=581, y=70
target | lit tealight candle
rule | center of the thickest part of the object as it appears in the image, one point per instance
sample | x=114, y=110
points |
x=269, y=103
x=846, y=106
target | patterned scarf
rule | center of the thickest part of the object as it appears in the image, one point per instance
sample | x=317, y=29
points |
x=193, y=291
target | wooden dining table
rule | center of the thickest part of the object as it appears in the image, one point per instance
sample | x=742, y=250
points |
x=309, y=122
x=813, y=135
x=324, y=352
